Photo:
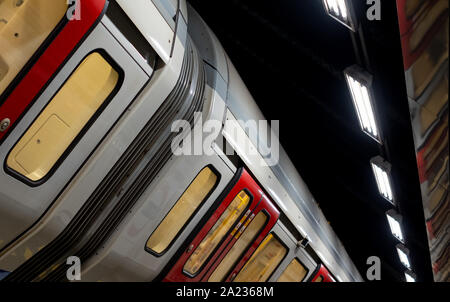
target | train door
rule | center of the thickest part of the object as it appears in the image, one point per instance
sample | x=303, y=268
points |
x=66, y=121
x=297, y=266
x=243, y=241
x=322, y=275
x=241, y=205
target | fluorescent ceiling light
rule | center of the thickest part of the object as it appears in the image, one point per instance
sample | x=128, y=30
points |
x=381, y=170
x=403, y=254
x=360, y=84
x=342, y=11
x=410, y=276
x=394, y=220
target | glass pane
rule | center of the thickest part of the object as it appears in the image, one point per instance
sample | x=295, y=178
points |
x=295, y=272
x=64, y=117
x=183, y=210
x=238, y=249
x=217, y=233
x=263, y=262
x=24, y=25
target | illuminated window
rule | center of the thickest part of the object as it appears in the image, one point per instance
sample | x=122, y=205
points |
x=63, y=119
x=236, y=208
x=238, y=249
x=263, y=262
x=182, y=211
x=295, y=272
x=24, y=25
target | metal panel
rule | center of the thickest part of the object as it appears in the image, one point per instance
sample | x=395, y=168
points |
x=112, y=200
x=151, y=24
x=109, y=25
x=168, y=9
x=102, y=161
x=21, y=204
x=124, y=257
x=207, y=43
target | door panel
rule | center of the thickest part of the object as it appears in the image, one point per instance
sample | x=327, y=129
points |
x=233, y=252
x=203, y=250
x=260, y=228
x=296, y=253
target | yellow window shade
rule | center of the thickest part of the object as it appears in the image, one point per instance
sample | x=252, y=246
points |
x=24, y=25
x=263, y=262
x=183, y=210
x=64, y=117
x=294, y=272
x=217, y=233
x=238, y=249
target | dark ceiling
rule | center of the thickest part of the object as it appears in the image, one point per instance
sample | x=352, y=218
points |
x=291, y=56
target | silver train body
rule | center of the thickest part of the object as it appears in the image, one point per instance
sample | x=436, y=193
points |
x=123, y=170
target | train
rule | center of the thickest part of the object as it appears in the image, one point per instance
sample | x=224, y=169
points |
x=92, y=95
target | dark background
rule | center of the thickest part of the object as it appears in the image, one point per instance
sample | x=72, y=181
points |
x=291, y=56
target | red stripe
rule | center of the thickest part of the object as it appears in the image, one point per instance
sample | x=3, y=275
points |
x=49, y=62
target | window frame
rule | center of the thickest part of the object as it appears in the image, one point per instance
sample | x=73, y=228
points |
x=202, y=203
x=232, y=278
x=224, y=238
x=121, y=76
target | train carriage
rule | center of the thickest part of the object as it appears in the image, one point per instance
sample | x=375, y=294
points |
x=88, y=106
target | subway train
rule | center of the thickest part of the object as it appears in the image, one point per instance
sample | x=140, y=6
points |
x=92, y=95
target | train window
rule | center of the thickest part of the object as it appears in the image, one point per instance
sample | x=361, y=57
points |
x=62, y=120
x=182, y=211
x=294, y=272
x=319, y=279
x=263, y=262
x=24, y=25
x=220, y=229
x=238, y=249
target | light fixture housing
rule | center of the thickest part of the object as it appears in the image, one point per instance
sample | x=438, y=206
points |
x=403, y=254
x=342, y=11
x=382, y=171
x=395, y=223
x=359, y=82
x=410, y=276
